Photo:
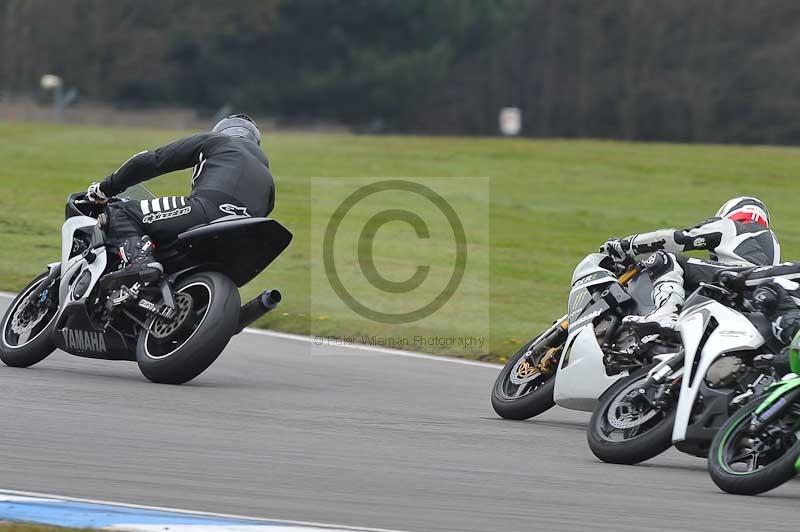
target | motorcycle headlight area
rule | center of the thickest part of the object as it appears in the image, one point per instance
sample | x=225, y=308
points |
x=722, y=372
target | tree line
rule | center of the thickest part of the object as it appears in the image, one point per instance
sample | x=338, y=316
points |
x=688, y=70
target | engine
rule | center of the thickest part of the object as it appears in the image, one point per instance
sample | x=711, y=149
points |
x=723, y=372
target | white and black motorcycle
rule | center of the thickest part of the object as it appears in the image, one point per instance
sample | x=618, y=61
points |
x=175, y=328
x=573, y=362
x=684, y=399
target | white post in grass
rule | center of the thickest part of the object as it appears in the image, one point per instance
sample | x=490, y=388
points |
x=510, y=120
x=51, y=82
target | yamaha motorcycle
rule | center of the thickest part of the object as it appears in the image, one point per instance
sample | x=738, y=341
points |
x=586, y=351
x=173, y=328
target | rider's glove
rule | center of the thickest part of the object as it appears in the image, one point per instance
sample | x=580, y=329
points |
x=617, y=249
x=732, y=280
x=767, y=297
x=95, y=195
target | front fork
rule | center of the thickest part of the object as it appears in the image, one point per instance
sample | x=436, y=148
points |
x=663, y=378
x=52, y=275
x=554, y=339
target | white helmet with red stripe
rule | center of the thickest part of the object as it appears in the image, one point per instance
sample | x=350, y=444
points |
x=745, y=209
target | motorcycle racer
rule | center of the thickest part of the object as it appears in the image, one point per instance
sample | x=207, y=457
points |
x=775, y=292
x=739, y=235
x=231, y=178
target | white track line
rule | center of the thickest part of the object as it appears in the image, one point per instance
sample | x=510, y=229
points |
x=359, y=347
x=189, y=512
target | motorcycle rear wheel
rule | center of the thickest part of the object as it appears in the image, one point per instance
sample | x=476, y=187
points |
x=206, y=321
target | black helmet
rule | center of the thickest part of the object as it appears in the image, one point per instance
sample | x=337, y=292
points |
x=239, y=126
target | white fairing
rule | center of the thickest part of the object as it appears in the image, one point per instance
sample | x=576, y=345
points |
x=734, y=333
x=72, y=268
x=588, y=266
x=584, y=379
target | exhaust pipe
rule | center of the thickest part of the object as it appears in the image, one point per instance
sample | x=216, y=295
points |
x=257, y=307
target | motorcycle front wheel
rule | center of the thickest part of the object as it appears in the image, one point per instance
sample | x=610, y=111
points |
x=748, y=462
x=522, y=390
x=28, y=325
x=625, y=428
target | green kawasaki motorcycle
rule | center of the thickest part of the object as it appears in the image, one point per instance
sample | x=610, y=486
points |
x=758, y=448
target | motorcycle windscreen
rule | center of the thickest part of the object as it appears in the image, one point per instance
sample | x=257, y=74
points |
x=136, y=193
x=580, y=297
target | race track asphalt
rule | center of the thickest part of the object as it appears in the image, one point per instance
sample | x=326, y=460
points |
x=280, y=429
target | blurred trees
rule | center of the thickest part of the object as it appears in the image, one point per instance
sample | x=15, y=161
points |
x=697, y=70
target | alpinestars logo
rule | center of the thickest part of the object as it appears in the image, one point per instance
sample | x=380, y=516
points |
x=78, y=340
x=163, y=215
x=233, y=210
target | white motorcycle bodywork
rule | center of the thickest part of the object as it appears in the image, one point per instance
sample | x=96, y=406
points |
x=725, y=331
x=581, y=377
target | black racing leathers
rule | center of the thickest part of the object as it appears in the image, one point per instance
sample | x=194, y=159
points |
x=231, y=178
x=777, y=289
x=228, y=165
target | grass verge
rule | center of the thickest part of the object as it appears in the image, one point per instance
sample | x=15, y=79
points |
x=545, y=204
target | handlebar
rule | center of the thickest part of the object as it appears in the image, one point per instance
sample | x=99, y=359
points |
x=733, y=297
x=721, y=289
x=78, y=205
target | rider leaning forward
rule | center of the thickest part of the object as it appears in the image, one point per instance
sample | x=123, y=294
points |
x=231, y=179
x=738, y=236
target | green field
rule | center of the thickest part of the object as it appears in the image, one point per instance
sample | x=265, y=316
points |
x=546, y=203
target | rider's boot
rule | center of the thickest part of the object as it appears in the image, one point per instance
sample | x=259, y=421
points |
x=139, y=264
x=779, y=362
x=668, y=297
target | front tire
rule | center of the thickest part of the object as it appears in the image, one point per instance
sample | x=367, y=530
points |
x=521, y=391
x=207, y=317
x=37, y=320
x=737, y=468
x=627, y=430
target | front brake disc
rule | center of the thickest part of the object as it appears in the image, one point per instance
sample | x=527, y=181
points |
x=27, y=316
x=624, y=412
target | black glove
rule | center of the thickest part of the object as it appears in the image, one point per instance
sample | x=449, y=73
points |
x=617, y=249
x=732, y=280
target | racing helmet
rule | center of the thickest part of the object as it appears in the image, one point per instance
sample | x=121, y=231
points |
x=745, y=209
x=239, y=126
